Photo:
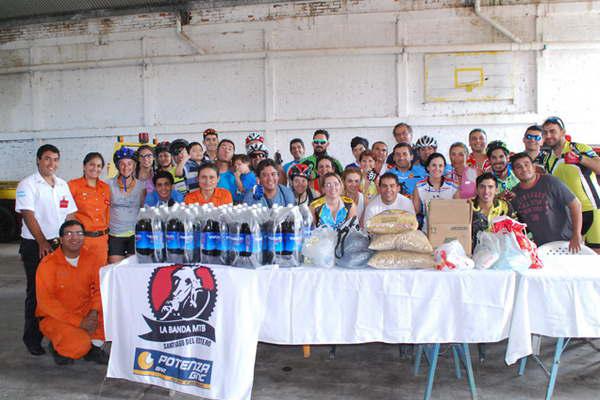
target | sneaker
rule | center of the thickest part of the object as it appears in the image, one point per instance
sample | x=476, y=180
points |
x=58, y=359
x=97, y=355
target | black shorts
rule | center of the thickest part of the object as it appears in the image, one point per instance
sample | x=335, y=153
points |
x=590, y=228
x=121, y=246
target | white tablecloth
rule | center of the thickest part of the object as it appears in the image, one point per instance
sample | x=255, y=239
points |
x=326, y=306
x=560, y=300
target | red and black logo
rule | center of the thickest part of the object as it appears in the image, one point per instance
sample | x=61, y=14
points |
x=182, y=298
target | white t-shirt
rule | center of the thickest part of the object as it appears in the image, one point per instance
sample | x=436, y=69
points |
x=376, y=206
x=51, y=205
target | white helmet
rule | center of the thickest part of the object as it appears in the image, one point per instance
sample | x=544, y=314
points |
x=257, y=147
x=425, y=141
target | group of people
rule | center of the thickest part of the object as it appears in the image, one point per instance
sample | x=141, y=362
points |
x=72, y=229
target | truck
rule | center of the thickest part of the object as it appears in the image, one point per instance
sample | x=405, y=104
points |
x=10, y=220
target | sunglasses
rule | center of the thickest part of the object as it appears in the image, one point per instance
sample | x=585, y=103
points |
x=529, y=136
x=320, y=141
x=555, y=120
x=258, y=155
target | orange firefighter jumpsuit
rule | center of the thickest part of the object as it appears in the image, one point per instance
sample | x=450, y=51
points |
x=93, y=211
x=65, y=295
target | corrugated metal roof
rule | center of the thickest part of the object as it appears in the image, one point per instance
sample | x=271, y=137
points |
x=13, y=9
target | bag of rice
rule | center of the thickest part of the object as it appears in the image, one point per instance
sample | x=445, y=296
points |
x=392, y=221
x=393, y=259
x=415, y=241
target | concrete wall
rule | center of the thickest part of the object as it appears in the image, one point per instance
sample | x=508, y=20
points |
x=354, y=68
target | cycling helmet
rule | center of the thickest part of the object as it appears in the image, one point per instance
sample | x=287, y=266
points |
x=257, y=147
x=425, y=141
x=252, y=136
x=495, y=145
x=177, y=145
x=123, y=153
x=301, y=170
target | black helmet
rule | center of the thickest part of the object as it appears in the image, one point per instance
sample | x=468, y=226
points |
x=177, y=145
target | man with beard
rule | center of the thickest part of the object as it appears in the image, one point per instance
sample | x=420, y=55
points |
x=407, y=178
x=576, y=165
x=320, y=143
x=546, y=205
x=498, y=154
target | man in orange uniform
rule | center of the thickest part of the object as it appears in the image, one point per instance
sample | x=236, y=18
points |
x=68, y=299
x=92, y=196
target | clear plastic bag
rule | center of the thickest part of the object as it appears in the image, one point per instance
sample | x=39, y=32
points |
x=352, y=250
x=487, y=251
x=415, y=241
x=451, y=256
x=511, y=255
x=319, y=249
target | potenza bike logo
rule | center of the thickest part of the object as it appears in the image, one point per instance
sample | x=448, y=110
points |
x=182, y=298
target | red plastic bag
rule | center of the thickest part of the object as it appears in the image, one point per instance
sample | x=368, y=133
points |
x=505, y=225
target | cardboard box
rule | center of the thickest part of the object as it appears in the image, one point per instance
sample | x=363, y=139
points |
x=450, y=220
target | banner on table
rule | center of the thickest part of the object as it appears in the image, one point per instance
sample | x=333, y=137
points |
x=192, y=328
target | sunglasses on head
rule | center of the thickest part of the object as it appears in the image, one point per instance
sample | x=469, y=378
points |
x=320, y=141
x=555, y=120
x=530, y=136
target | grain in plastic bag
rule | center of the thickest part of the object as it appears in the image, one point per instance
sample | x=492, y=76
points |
x=393, y=259
x=415, y=241
x=392, y=221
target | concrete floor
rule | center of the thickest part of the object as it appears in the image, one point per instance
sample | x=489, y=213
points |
x=372, y=371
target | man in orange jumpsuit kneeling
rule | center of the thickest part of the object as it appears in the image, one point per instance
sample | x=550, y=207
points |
x=68, y=299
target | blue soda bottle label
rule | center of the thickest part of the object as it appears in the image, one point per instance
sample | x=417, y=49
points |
x=208, y=242
x=236, y=242
x=173, y=240
x=142, y=240
x=276, y=242
x=223, y=242
x=292, y=242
